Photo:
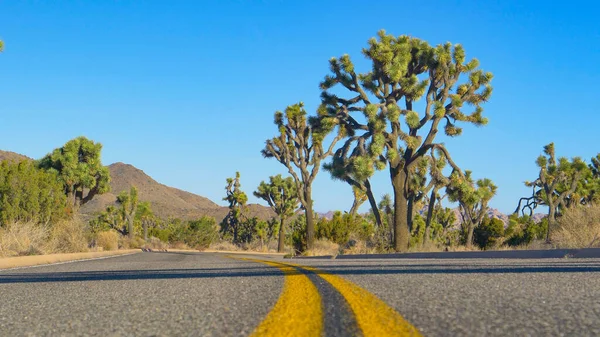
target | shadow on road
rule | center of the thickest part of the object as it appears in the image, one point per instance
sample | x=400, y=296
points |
x=260, y=271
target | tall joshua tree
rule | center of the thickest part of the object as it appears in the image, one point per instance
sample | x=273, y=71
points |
x=299, y=147
x=282, y=196
x=237, y=200
x=382, y=105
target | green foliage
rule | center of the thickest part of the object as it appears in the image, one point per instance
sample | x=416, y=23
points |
x=28, y=194
x=343, y=226
x=79, y=168
x=523, y=230
x=296, y=237
x=129, y=205
x=488, y=233
x=418, y=231
x=199, y=234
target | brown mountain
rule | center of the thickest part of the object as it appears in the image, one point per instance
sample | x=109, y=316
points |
x=166, y=201
x=11, y=156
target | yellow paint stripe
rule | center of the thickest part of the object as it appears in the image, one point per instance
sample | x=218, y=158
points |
x=298, y=310
x=373, y=316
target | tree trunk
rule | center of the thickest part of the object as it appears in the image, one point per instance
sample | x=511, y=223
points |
x=130, y=226
x=409, y=213
x=430, y=208
x=310, y=223
x=281, y=242
x=551, y=219
x=470, y=229
x=145, y=223
x=401, y=233
x=354, y=207
x=373, y=204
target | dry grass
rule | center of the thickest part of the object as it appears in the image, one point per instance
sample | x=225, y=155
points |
x=462, y=248
x=125, y=242
x=578, y=228
x=108, y=240
x=21, y=239
x=430, y=246
x=323, y=247
x=155, y=244
x=68, y=236
x=224, y=246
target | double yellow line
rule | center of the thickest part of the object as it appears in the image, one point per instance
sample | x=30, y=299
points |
x=298, y=311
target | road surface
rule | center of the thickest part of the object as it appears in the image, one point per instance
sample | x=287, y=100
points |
x=204, y=294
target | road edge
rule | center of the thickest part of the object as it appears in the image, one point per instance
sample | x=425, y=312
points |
x=19, y=262
x=581, y=253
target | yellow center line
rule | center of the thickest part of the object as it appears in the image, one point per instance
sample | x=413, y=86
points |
x=298, y=310
x=373, y=316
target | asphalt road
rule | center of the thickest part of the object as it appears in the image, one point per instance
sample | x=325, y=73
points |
x=201, y=294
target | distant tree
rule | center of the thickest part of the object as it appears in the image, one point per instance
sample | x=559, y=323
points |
x=487, y=234
x=237, y=200
x=282, y=196
x=473, y=199
x=145, y=216
x=129, y=205
x=438, y=181
x=404, y=70
x=80, y=169
x=299, y=147
x=110, y=218
x=557, y=182
x=28, y=194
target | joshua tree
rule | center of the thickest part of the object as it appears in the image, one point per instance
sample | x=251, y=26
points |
x=145, y=215
x=557, y=183
x=129, y=206
x=404, y=70
x=299, y=147
x=237, y=200
x=80, y=169
x=282, y=196
x=472, y=198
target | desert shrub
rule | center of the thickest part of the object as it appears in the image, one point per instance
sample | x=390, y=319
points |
x=224, y=246
x=126, y=242
x=323, y=247
x=28, y=194
x=296, y=236
x=19, y=239
x=578, y=227
x=108, y=240
x=68, y=236
x=489, y=232
x=198, y=234
x=163, y=234
x=342, y=226
x=418, y=231
x=155, y=243
x=522, y=231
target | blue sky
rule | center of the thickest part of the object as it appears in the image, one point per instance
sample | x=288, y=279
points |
x=186, y=90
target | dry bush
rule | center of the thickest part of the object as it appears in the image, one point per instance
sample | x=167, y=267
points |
x=429, y=246
x=224, y=246
x=578, y=228
x=19, y=239
x=463, y=248
x=323, y=247
x=68, y=236
x=108, y=240
x=174, y=245
x=125, y=242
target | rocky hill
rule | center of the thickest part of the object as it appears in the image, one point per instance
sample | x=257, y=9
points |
x=166, y=201
x=11, y=156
